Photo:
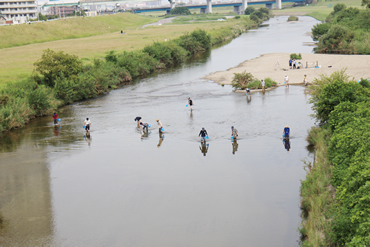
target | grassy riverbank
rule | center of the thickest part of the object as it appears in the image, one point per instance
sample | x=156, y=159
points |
x=61, y=78
x=71, y=28
x=335, y=194
x=19, y=62
x=319, y=10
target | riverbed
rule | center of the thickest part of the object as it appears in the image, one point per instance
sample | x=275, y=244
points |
x=122, y=188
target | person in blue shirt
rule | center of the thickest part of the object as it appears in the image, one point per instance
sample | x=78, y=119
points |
x=286, y=132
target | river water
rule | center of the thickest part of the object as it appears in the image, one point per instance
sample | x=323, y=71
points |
x=120, y=188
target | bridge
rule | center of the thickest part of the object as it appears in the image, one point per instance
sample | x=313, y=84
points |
x=239, y=7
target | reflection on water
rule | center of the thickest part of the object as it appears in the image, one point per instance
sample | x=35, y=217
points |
x=286, y=143
x=235, y=146
x=204, y=147
x=57, y=189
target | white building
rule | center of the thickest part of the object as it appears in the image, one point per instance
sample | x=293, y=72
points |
x=18, y=10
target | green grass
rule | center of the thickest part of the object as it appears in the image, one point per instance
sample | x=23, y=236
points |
x=19, y=60
x=316, y=191
x=71, y=28
x=318, y=11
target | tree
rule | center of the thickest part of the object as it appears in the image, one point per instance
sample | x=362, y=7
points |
x=366, y=3
x=57, y=64
x=241, y=80
x=319, y=29
x=336, y=40
x=339, y=7
x=249, y=10
x=180, y=11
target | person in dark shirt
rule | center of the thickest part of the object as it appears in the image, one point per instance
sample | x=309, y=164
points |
x=203, y=134
x=138, y=121
x=190, y=103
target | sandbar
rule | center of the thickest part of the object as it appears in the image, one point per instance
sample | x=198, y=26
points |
x=276, y=66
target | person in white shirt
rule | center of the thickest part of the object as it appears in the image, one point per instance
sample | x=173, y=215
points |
x=159, y=125
x=87, y=124
x=263, y=84
x=286, y=80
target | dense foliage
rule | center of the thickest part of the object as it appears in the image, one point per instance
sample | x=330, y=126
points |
x=247, y=80
x=292, y=18
x=343, y=108
x=180, y=11
x=260, y=15
x=61, y=78
x=296, y=56
x=346, y=30
x=249, y=10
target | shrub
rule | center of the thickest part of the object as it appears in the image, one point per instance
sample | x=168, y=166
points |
x=180, y=11
x=292, y=18
x=270, y=83
x=295, y=56
x=160, y=52
x=237, y=17
x=137, y=63
x=249, y=10
x=52, y=64
x=319, y=29
x=110, y=57
x=336, y=40
x=339, y=7
x=202, y=37
x=40, y=100
x=242, y=80
x=364, y=83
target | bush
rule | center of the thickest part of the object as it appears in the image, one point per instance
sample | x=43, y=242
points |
x=53, y=64
x=336, y=40
x=270, y=83
x=295, y=56
x=180, y=11
x=292, y=18
x=242, y=80
x=364, y=83
x=237, y=17
x=319, y=29
x=339, y=7
x=137, y=63
x=160, y=52
x=249, y=10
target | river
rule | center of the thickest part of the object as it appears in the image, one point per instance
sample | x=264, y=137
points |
x=119, y=188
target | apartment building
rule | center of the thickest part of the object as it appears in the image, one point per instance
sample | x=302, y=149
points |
x=18, y=11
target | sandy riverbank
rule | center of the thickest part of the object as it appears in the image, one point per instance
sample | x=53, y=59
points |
x=358, y=66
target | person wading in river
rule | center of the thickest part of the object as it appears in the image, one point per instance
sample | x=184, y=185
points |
x=87, y=124
x=190, y=104
x=55, y=117
x=286, y=132
x=203, y=134
x=138, y=121
x=160, y=126
x=234, y=132
x=286, y=80
x=263, y=84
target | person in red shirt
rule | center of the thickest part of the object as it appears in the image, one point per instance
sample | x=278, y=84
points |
x=55, y=117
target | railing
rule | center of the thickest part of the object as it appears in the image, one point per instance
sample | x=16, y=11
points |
x=18, y=11
x=17, y=5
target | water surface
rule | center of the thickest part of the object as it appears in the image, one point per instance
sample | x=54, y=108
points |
x=120, y=188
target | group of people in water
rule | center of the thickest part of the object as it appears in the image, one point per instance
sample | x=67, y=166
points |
x=144, y=127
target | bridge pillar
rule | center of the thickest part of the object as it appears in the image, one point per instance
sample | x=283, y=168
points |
x=203, y=10
x=237, y=10
x=173, y=5
x=278, y=4
x=209, y=6
x=269, y=5
x=244, y=5
x=168, y=12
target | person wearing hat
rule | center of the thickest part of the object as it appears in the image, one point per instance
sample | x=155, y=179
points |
x=234, y=132
x=286, y=80
x=286, y=132
x=203, y=134
x=159, y=125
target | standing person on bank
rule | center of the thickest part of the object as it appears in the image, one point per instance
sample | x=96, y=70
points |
x=263, y=84
x=190, y=104
x=305, y=80
x=203, y=134
x=290, y=63
x=286, y=80
x=234, y=132
x=160, y=126
x=55, y=117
